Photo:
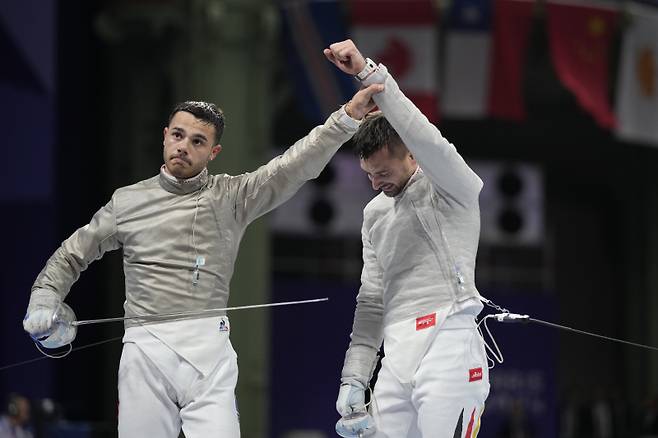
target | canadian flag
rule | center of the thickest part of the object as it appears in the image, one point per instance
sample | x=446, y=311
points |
x=637, y=88
x=403, y=37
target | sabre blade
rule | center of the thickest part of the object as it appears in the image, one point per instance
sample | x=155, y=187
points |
x=196, y=313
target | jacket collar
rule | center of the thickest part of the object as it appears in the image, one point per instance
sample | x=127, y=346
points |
x=413, y=178
x=182, y=186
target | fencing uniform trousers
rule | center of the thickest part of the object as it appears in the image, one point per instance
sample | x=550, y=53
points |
x=158, y=397
x=445, y=398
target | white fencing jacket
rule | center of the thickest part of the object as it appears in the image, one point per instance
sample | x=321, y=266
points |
x=419, y=247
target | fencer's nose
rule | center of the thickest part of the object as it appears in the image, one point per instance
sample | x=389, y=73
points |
x=181, y=148
x=376, y=183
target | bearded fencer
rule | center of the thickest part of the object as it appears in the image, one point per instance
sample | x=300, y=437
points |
x=417, y=296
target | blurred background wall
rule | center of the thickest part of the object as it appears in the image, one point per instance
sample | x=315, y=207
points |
x=554, y=104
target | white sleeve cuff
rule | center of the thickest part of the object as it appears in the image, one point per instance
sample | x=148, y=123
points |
x=345, y=119
x=377, y=77
x=369, y=69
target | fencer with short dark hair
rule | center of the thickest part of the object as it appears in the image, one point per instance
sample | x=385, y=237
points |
x=420, y=237
x=180, y=232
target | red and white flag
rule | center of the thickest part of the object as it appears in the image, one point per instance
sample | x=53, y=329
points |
x=511, y=29
x=466, y=64
x=580, y=42
x=485, y=48
x=403, y=37
x=637, y=87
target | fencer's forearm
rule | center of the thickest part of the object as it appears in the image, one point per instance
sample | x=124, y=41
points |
x=359, y=365
x=60, y=272
x=367, y=332
x=275, y=182
x=437, y=157
x=361, y=356
x=366, y=339
x=305, y=159
x=85, y=245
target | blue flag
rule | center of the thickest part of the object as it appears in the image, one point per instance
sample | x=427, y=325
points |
x=308, y=28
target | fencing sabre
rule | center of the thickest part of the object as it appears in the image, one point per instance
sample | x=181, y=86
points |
x=66, y=325
x=174, y=316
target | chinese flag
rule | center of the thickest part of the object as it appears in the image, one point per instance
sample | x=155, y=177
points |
x=580, y=42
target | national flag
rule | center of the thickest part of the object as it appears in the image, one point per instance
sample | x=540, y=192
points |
x=466, y=63
x=511, y=29
x=403, y=36
x=308, y=28
x=637, y=87
x=580, y=40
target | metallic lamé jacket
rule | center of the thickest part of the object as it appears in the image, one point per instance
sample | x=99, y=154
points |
x=164, y=226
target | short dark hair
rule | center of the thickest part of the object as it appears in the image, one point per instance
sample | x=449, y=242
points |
x=207, y=112
x=376, y=133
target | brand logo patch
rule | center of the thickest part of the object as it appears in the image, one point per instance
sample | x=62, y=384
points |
x=223, y=327
x=474, y=374
x=426, y=321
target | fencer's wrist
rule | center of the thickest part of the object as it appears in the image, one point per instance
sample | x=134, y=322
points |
x=360, y=363
x=352, y=382
x=354, y=115
x=43, y=298
x=369, y=68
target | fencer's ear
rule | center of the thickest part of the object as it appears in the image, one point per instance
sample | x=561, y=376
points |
x=214, y=152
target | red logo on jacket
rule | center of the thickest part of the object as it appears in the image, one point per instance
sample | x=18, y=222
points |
x=426, y=321
x=474, y=374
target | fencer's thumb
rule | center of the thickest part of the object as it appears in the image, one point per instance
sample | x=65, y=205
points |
x=328, y=54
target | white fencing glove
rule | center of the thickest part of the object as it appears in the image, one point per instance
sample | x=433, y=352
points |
x=38, y=321
x=351, y=398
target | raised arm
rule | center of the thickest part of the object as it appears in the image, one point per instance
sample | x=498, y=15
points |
x=437, y=157
x=275, y=182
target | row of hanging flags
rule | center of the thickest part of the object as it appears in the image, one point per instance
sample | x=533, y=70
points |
x=478, y=69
